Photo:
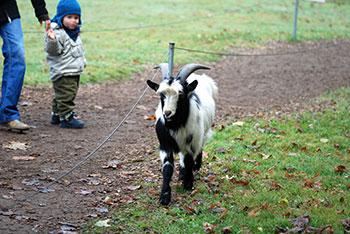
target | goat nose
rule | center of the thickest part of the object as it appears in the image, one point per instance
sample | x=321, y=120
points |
x=167, y=113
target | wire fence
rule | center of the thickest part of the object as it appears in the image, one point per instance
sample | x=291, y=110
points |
x=261, y=55
x=190, y=20
x=254, y=8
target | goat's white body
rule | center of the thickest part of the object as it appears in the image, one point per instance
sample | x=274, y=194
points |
x=184, y=118
x=199, y=120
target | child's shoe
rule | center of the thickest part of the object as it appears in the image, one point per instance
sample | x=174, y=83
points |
x=55, y=119
x=71, y=122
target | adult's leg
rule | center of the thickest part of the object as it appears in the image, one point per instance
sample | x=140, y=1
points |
x=14, y=70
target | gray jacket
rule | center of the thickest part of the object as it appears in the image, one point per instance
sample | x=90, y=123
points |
x=64, y=55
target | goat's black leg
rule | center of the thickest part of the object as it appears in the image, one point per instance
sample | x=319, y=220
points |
x=168, y=168
x=188, y=172
x=198, y=162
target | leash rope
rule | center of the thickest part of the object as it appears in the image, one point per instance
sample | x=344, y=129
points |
x=90, y=154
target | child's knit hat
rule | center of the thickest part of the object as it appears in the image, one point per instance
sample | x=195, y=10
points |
x=67, y=7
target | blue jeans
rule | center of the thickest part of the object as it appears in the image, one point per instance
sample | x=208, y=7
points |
x=14, y=70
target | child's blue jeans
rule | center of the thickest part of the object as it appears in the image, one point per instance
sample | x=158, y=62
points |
x=14, y=70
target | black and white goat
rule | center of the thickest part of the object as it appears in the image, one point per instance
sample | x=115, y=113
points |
x=184, y=117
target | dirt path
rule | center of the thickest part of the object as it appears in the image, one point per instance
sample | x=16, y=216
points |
x=248, y=86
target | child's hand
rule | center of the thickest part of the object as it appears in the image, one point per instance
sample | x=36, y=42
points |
x=49, y=32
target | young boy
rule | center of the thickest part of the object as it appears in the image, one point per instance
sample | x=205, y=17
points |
x=65, y=56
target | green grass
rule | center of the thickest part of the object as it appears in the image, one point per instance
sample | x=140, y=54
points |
x=114, y=53
x=262, y=174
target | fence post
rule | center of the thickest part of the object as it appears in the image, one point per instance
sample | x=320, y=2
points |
x=171, y=58
x=295, y=19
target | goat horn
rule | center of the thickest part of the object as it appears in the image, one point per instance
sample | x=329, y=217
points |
x=164, y=68
x=189, y=69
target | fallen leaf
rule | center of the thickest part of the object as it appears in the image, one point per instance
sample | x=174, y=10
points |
x=101, y=209
x=26, y=103
x=194, y=192
x=24, y=158
x=238, y=123
x=346, y=134
x=15, y=145
x=339, y=169
x=284, y=201
x=271, y=169
x=84, y=191
x=7, y=197
x=94, y=182
x=213, y=206
x=289, y=175
x=303, y=148
x=265, y=205
x=220, y=150
x=340, y=211
x=208, y=228
x=222, y=127
x=31, y=182
x=346, y=223
x=108, y=200
x=326, y=229
x=133, y=188
x=113, y=164
x=190, y=210
x=152, y=117
x=152, y=192
x=253, y=213
x=275, y=186
x=227, y=229
x=248, y=160
x=6, y=212
x=265, y=156
x=224, y=213
x=309, y=183
x=103, y=223
x=302, y=221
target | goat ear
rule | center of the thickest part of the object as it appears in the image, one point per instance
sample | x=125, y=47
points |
x=153, y=85
x=192, y=86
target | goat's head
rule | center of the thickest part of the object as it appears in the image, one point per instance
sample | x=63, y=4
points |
x=171, y=89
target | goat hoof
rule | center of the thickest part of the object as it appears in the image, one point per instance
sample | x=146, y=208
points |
x=165, y=198
x=181, y=173
x=188, y=186
x=181, y=177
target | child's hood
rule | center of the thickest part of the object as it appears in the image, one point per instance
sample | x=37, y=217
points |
x=67, y=7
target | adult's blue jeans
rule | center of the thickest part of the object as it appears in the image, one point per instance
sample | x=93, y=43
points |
x=14, y=70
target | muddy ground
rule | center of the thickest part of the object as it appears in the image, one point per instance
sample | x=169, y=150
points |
x=248, y=86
